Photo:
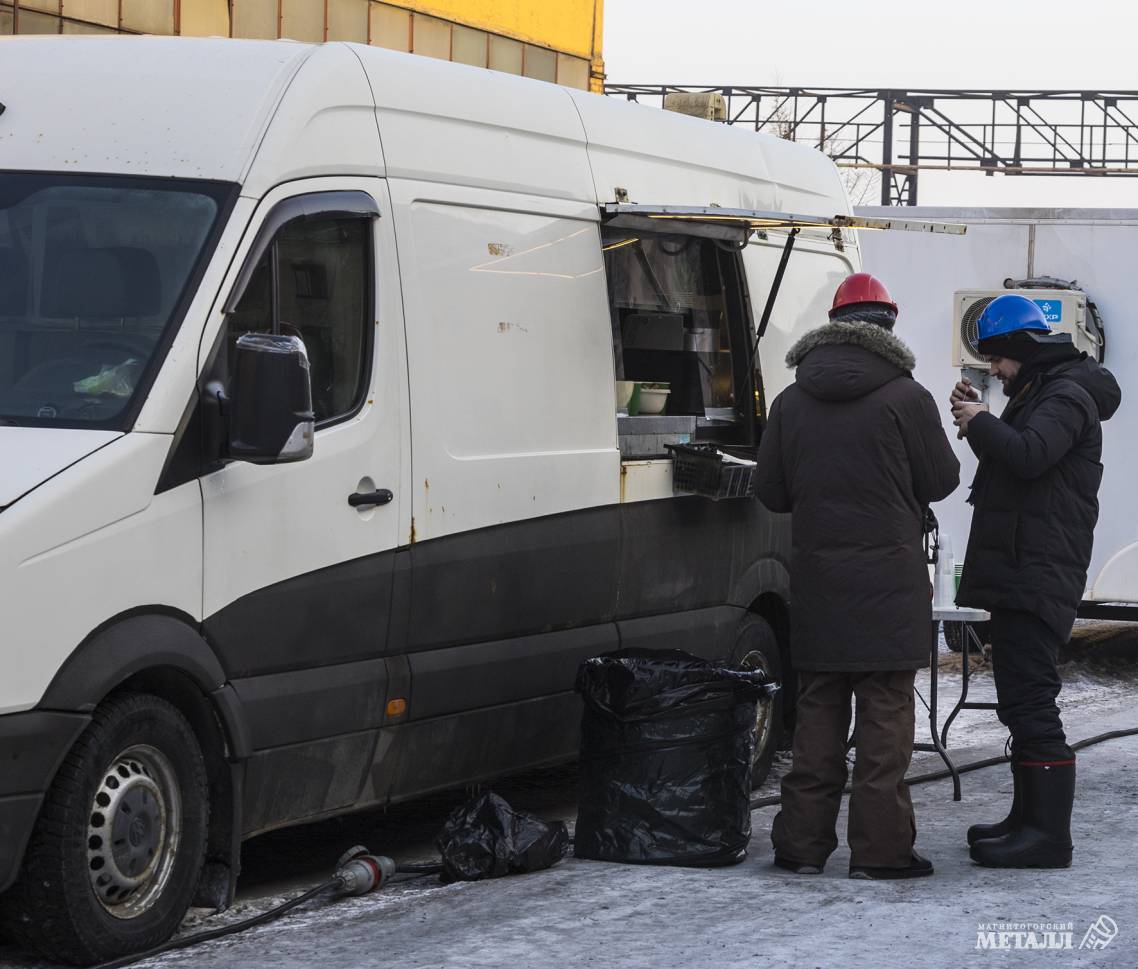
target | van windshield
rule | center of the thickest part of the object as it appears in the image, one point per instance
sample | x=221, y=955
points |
x=94, y=277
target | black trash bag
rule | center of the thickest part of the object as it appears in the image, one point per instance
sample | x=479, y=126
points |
x=667, y=741
x=488, y=839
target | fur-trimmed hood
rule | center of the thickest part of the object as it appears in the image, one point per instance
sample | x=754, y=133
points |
x=869, y=336
x=845, y=361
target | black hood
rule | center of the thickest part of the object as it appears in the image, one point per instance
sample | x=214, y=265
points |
x=846, y=361
x=1095, y=379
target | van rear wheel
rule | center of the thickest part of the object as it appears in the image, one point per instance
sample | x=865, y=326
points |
x=756, y=648
x=114, y=859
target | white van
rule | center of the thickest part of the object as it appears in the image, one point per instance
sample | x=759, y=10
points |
x=314, y=488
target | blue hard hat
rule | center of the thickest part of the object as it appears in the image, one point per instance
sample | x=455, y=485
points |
x=1010, y=313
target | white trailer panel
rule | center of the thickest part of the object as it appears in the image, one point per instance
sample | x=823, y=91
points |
x=1097, y=247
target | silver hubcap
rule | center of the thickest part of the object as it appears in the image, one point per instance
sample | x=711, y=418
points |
x=133, y=831
x=764, y=721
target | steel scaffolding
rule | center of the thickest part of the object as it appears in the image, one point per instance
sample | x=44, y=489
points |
x=901, y=133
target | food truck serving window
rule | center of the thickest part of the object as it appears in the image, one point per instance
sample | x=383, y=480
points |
x=680, y=324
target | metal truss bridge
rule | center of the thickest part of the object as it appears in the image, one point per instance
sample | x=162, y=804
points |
x=901, y=133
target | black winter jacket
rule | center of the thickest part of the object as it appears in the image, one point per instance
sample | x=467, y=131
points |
x=854, y=449
x=1035, y=494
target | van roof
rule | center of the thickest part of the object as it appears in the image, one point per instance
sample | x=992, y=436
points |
x=167, y=106
x=202, y=107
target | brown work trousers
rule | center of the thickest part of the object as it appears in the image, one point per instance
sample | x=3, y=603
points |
x=882, y=827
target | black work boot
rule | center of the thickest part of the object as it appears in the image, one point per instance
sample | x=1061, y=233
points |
x=982, y=832
x=918, y=867
x=1043, y=839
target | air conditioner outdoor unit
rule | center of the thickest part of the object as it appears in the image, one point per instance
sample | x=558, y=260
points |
x=1064, y=309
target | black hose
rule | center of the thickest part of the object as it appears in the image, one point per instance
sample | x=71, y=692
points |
x=939, y=775
x=426, y=868
x=219, y=933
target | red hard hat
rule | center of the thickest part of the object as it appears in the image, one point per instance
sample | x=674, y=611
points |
x=862, y=288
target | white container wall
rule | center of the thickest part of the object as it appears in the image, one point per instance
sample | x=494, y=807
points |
x=1099, y=248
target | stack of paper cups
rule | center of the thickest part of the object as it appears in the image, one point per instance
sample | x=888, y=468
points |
x=944, y=581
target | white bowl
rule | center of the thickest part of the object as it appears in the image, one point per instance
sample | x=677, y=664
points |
x=653, y=401
x=624, y=389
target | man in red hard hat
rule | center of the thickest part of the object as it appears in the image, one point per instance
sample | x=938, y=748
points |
x=855, y=451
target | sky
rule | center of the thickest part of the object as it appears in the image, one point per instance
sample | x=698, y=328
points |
x=998, y=44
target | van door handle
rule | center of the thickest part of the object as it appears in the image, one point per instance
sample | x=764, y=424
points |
x=361, y=498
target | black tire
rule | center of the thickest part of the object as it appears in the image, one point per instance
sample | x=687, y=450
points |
x=72, y=901
x=756, y=647
x=954, y=636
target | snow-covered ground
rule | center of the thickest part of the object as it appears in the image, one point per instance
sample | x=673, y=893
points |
x=586, y=913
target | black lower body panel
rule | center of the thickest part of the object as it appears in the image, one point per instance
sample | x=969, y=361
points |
x=32, y=746
x=288, y=785
x=416, y=758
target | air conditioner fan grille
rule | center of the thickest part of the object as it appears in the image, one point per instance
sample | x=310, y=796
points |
x=969, y=329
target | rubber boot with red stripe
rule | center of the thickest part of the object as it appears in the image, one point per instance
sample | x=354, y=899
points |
x=1043, y=839
x=982, y=832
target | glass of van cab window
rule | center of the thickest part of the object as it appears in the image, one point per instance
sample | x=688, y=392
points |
x=92, y=275
x=319, y=267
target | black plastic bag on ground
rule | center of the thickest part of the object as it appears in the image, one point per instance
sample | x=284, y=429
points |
x=667, y=741
x=487, y=838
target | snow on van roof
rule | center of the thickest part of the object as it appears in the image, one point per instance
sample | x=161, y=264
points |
x=167, y=106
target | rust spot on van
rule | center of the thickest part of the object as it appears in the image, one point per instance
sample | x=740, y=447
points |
x=411, y=538
x=498, y=249
x=623, y=479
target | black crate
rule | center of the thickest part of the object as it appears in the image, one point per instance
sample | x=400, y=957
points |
x=698, y=469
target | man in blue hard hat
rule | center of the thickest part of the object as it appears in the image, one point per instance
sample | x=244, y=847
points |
x=1035, y=504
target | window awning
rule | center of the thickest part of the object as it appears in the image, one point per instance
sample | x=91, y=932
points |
x=736, y=225
x=740, y=223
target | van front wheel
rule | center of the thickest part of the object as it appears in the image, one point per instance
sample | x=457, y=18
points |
x=115, y=857
x=756, y=648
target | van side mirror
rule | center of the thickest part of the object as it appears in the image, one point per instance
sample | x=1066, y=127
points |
x=271, y=420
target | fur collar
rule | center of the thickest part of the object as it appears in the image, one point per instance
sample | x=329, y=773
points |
x=868, y=336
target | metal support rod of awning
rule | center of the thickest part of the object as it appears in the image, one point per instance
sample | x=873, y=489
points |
x=753, y=220
x=776, y=285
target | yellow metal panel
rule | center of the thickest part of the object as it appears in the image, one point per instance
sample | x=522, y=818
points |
x=570, y=26
x=540, y=63
x=30, y=22
x=390, y=28
x=573, y=71
x=81, y=27
x=505, y=55
x=255, y=18
x=430, y=37
x=5, y=20
x=303, y=20
x=468, y=46
x=104, y=12
x=347, y=20
x=202, y=18
x=47, y=6
x=148, y=16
